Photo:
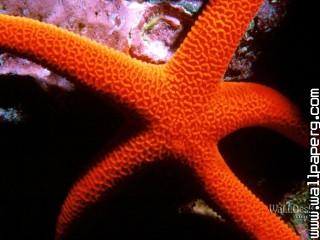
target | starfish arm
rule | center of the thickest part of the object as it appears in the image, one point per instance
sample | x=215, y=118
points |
x=250, y=104
x=237, y=201
x=105, y=175
x=80, y=59
x=207, y=50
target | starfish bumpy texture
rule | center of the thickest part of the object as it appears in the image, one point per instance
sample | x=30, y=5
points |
x=187, y=106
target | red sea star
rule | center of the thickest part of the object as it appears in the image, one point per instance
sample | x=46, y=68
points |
x=187, y=106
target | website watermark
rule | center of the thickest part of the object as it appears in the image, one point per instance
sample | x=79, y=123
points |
x=288, y=208
x=314, y=169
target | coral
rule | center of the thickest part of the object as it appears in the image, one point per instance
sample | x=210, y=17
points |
x=187, y=107
x=158, y=33
x=297, y=210
x=89, y=18
x=121, y=25
x=260, y=29
x=10, y=115
x=117, y=24
x=18, y=66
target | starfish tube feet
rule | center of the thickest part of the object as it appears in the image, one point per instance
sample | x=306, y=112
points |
x=115, y=166
x=242, y=206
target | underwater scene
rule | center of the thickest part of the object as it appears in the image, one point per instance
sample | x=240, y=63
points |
x=150, y=119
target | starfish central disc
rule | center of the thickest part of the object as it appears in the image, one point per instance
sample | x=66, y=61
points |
x=188, y=107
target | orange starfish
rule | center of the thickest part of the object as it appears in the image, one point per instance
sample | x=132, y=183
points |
x=187, y=106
